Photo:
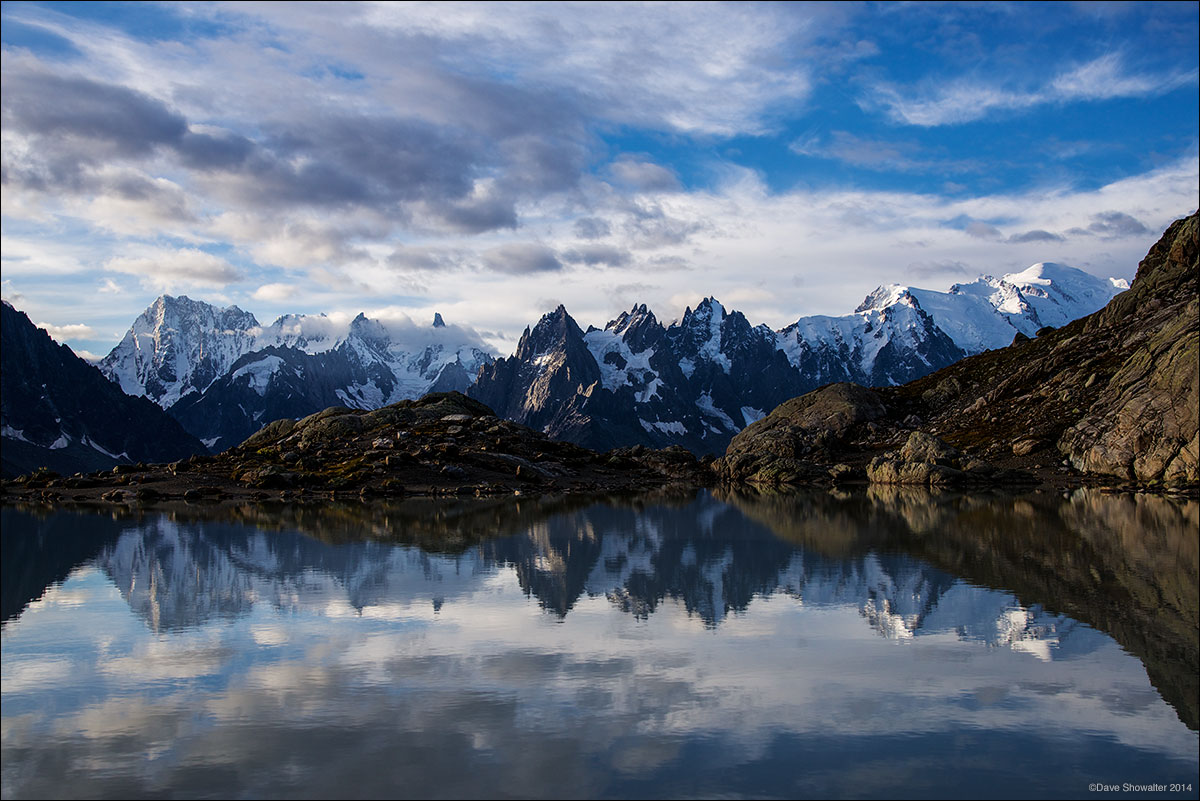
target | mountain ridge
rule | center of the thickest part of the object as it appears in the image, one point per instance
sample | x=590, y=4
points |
x=60, y=412
x=695, y=382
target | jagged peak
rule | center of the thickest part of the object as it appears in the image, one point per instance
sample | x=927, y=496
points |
x=183, y=305
x=553, y=327
x=637, y=316
x=364, y=327
x=705, y=312
x=882, y=297
x=438, y=322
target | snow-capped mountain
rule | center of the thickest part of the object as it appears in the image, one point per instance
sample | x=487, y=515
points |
x=695, y=382
x=700, y=380
x=224, y=376
x=179, y=346
x=987, y=313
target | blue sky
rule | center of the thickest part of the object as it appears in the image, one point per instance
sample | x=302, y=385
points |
x=490, y=161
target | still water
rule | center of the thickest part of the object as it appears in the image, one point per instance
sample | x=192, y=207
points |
x=869, y=644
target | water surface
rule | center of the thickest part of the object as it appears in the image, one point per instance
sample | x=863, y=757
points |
x=881, y=644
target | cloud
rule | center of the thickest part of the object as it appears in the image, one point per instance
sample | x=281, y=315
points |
x=877, y=154
x=709, y=69
x=1036, y=235
x=70, y=331
x=643, y=175
x=930, y=269
x=1113, y=224
x=520, y=258
x=425, y=258
x=275, y=292
x=594, y=254
x=166, y=270
x=981, y=230
x=649, y=225
x=92, y=120
x=966, y=100
x=591, y=228
x=1105, y=78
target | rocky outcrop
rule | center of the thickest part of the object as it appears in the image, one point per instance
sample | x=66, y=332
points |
x=444, y=443
x=927, y=460
x=1113, y=395
x=784, y=445
x=1144, y=423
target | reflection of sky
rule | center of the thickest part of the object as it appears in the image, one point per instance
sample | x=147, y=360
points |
x=317, y=685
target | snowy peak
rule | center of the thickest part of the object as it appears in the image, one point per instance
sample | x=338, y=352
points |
x=223, y=375
x=178, y=346
x=1058, y=294
x=883, y=297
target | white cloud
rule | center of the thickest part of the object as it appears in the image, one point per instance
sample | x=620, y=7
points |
x=167, y=270
x=1105, y=77
x=62, y=333
x=965, y=100
x=275, y=292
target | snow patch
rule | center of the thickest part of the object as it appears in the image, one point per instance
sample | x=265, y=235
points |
x=650, y=391
x=637, y=369
x=260, y=373
x=88, y=441
x=706, y=406
x=672, y=427
x=752, y=415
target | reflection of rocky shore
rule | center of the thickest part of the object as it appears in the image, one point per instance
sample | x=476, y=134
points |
x=49, y=547
x=1126, y=565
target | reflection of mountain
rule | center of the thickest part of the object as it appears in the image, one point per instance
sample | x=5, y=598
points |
x=1126, y=566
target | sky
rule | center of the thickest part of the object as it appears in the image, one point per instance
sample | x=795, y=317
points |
x=490, y=161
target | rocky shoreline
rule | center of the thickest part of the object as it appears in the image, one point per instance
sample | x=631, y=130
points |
x=442, y=444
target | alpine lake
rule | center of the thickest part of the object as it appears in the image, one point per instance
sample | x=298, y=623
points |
x=878, y=642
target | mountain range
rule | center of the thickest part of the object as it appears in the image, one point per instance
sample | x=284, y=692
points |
x=224, y=376
x=702, y=379
x=695, y=382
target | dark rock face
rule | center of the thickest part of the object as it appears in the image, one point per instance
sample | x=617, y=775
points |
x=551, y=364
x=262, y=387
x=693, y=384
x=1113, y=394
x=698, y=382
x=60, y=412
